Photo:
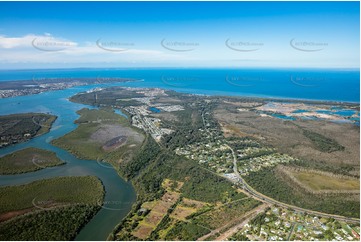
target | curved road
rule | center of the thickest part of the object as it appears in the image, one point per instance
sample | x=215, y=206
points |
x=253, y=193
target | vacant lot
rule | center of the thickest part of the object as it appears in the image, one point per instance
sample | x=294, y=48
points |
x=143, y=231
x=231, y=130
x=224, y=214
x=159, y=209
x=187, y=207
x=171, y=185
x=181, y=213
x=27, y=160
x=320, y=182
x=190, y=203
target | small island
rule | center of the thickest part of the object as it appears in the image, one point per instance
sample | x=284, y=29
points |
x=18, y=128
x=27, y=160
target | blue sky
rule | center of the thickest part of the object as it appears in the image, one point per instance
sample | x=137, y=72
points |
x=179, y=34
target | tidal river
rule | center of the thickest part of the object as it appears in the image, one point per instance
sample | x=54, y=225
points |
x=120, y=194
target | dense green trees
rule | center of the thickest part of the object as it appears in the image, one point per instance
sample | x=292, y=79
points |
x=51, y=192
x=148, y=153
x=344, y=169
x=323, y=143
x=16, y=128
x=238, y=237
x=186, y=231
x=55, y=224
x=200, y=183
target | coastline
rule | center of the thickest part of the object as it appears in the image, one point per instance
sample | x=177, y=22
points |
x=268, y=98
x=198, y=92
x=313, y=84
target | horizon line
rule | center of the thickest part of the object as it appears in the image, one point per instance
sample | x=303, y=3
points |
x=181, y=67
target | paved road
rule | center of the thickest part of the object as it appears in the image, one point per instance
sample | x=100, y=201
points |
x=253, y=193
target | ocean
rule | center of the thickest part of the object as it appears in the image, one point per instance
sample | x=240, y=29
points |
x=310, y=84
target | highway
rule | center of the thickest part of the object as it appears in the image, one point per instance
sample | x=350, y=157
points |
x=253, y=193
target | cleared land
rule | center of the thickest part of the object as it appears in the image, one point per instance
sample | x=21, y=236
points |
x=231, y=130
x=224, y=214
x=27, y=160
x=171, y=185
x=158, y=211
x=320, y=182
x=186, y=208
x=175, y=217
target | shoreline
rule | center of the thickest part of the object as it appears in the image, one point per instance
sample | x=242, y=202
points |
x=198, y=92
x=185, y=67
x=28, y=87
x=270, y=98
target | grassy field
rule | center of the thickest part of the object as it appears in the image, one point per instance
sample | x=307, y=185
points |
x=319, y=182
x=154, y=217
x=186, y=208
x=225, y=213
x=96, y=129
x=27, y=160
x=158, y=209
x=47, y=193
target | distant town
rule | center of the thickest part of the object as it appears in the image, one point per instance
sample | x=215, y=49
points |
x=36, y=86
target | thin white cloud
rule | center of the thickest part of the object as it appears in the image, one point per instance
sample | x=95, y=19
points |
x=46, y=48
x=16, y=42
x=31, y=40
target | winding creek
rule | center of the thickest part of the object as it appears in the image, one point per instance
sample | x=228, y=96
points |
x=120, y=194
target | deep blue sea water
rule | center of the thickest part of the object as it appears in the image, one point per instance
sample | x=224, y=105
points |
x=315, y=84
